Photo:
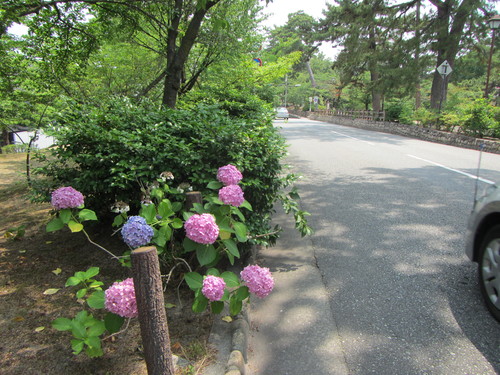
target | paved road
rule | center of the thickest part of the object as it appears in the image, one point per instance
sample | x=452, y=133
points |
x=383, y=286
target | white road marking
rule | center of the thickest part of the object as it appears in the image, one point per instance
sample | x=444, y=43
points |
x=348, y=136
x=453, y=170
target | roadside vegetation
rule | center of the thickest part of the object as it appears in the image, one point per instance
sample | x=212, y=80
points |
x=132, y=91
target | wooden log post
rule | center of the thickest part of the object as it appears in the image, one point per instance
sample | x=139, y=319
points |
x=151, y=308
x=191, y=198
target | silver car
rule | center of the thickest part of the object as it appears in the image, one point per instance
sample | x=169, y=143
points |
x=282, y=112
x=483, y=246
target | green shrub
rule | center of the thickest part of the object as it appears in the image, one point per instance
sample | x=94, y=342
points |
x=480, y=119
x=109, y=153
x=15, y=148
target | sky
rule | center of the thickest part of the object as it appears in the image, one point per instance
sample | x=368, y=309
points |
x=279, y=10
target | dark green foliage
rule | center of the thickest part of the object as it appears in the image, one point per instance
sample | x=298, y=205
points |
x=108, y=153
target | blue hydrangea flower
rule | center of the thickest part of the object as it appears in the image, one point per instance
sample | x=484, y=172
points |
x=136, y=232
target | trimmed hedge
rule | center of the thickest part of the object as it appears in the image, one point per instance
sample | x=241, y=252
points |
x=110, y=152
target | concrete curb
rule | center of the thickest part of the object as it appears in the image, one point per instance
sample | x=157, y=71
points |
x=239, y=345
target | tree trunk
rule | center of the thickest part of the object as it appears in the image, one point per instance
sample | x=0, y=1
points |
x=311, y=74
x=177, y=56
x=448, y=40
x=151, y=307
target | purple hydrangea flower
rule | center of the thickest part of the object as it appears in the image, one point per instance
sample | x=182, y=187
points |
x=66, y=197
x=229, y=175
x=258, y=280
x=202, y=229
x=232, y=195
x=213, y=287
x=120, y=299
x=136, y=232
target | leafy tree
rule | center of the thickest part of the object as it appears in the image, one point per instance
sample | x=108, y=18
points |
x=67, y=32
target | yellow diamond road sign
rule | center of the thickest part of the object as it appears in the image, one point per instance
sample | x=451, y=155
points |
x=444, y=69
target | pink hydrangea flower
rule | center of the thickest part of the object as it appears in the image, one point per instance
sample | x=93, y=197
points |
x=120, y=299
x=258, y=280
x=66, y=197
x=229, y=175
x=202, y=229
x=232, y=195
x=213, y=287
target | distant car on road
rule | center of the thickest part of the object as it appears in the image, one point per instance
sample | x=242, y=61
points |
x=483, y=246
x=282, y=112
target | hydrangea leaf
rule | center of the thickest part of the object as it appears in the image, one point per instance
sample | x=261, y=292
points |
x=113, y=322
x=97, y=329
x=74, y=226
x=165, y=209
x=65, y=215
x=62, y=324
x=91, y=272
x=241, y=231
x=235, y=306
x=214, y=185
x=77, y=346
x=230, y=279
x=87, y=214
x=200, y=303
x=96, y=300
x=54, y=224
x=206, y=254
x=217, y=307
x=232, y=247
x=194, y=280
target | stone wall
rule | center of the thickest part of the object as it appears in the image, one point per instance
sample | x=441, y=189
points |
x=411, y=131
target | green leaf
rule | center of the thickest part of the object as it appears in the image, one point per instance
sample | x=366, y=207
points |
x=198, y=207
x=200, y=303
x=189, y=245
x=97, y=329
x=242, y=293
x=217, y=307
x=247, y=205
x=235, y=306
x=72, y=281
x=162, y=235
x=177, y=206
x=118, y=221
x=54, y=224
x=96, y=300
x=194, y=280
x=149, y=213
x=241, y=231
x=165, y=209
x=74, y=226
x=77, y=346
x=230, y=279
x=81, y=293
x=236, y=210
x=62, y=324
x=91, y=272
x=177, y=223
x=65, y=215
x=213, y=272
x=94, y=347
x=206, y=254
x=78, y=329
x=214, y=185
x=232, y=247
x=113, y=322
x=87, y=214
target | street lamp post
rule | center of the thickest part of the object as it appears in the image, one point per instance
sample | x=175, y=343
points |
x=494, y=23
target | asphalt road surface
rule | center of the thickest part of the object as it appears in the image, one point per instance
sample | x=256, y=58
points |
x=389, y=215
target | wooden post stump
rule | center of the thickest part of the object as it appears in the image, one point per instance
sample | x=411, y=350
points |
x=151, y=308
x=191, y=198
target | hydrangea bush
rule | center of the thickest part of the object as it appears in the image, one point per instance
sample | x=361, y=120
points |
x=212, y=230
